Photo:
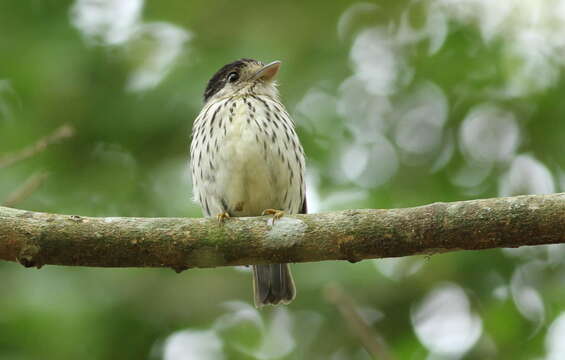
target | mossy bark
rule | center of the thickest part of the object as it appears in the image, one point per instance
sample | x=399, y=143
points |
x=36, y=239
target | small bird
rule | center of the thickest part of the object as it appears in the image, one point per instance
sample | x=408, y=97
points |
x=246, y=160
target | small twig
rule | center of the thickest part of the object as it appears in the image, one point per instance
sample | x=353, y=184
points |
x=63, y=132
x=26, y=189
x=372, y=342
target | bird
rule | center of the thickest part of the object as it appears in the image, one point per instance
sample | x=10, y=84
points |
x=246, y=160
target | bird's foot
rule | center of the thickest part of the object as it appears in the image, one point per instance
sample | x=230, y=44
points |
x=222, y=217
x=277, y=214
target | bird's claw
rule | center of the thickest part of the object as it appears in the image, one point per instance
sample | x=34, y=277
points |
x=222, y=217
x=277, y=214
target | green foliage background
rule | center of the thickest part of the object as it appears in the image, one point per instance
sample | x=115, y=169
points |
x=129, y=155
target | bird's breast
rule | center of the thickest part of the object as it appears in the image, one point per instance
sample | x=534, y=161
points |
x=248, y=171
x=252, y=159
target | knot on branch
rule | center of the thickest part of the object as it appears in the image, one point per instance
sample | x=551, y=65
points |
x=28, y=256
x=180, y=268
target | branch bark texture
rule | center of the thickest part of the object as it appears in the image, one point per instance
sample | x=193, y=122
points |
x=35, y=239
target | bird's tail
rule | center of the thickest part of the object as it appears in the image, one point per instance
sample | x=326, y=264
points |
x=272, y=284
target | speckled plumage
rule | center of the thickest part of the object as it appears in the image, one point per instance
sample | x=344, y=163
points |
x=246, y=157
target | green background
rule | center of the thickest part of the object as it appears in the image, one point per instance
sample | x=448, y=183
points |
x=397, y=104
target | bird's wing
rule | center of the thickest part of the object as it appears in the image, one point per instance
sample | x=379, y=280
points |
x=304, y=208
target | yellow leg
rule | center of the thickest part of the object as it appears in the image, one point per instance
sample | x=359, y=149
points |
x=277, y=214
x=222, y=217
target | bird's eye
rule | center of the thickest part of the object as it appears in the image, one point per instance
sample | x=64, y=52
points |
x=233, y=77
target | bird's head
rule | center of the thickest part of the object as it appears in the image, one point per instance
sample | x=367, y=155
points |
x=241, y=77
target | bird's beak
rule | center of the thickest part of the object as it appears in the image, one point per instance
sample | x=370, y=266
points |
x=268, y=72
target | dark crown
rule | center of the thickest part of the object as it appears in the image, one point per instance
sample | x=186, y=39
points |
x=218, y=81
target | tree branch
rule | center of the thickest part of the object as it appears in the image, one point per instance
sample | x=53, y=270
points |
x=24, y=191
x=63, y=132
x=373, y=342
x=35, y=239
